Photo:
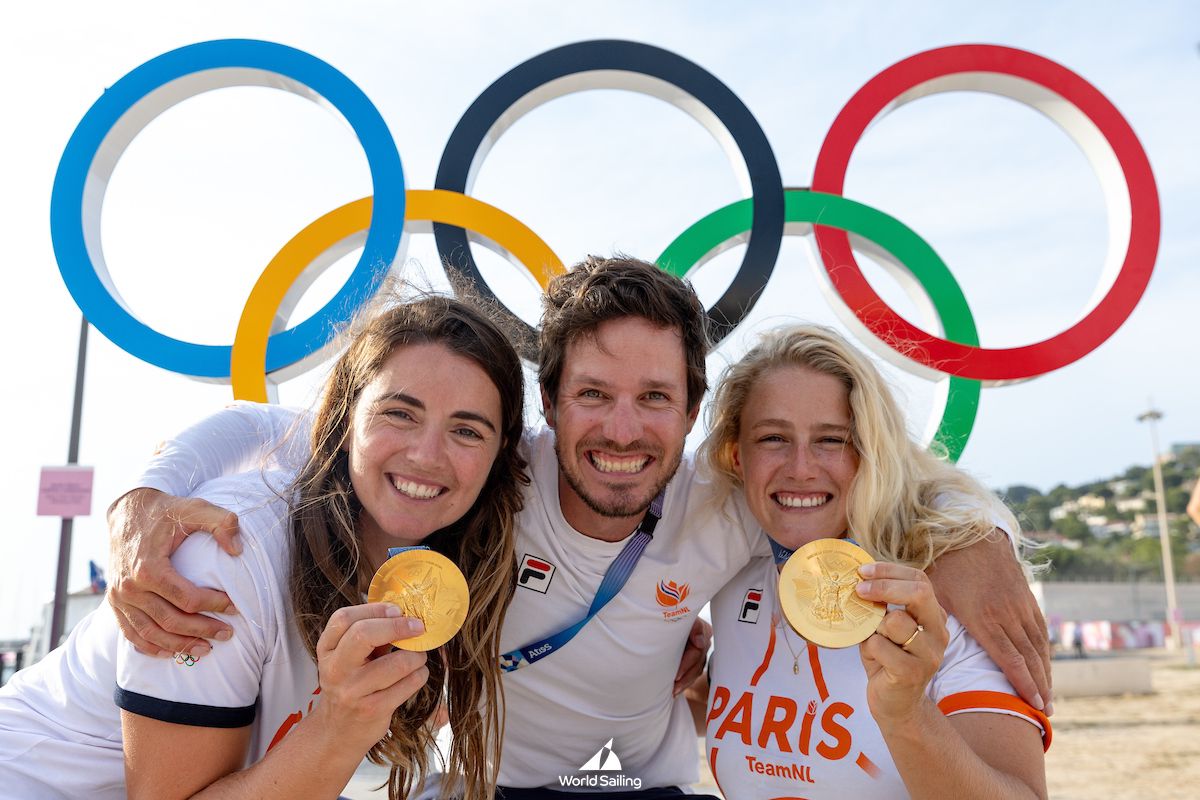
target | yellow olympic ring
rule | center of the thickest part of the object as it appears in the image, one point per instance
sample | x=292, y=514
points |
x=331, y=236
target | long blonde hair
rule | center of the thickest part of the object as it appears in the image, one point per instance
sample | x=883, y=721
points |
x=329, y=569
x=905, y=505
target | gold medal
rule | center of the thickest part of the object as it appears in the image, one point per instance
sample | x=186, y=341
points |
x=427, y=586
x=816, y=590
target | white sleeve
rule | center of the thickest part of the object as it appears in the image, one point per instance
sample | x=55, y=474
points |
x=243, y=436
x=969, y=681
x=994, y=509
x=220, y=689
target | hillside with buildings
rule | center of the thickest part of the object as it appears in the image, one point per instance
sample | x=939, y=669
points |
x=1107, y=530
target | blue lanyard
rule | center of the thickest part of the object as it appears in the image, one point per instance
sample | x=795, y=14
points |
x=782, y=554
x=395, y=551
x=614, y=578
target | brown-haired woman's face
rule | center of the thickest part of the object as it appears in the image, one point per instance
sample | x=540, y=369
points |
x=424, y=436
x=794, y=454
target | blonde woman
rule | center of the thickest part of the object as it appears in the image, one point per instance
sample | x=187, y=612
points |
x=807, y=429
x=415, y=442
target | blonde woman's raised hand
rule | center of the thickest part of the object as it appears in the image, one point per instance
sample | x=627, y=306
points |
x=906, y=650
x=363, y=680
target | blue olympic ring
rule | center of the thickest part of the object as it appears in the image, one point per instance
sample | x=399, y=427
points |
x=125, y=108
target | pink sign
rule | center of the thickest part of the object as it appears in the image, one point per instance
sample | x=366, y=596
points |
x=65, y=492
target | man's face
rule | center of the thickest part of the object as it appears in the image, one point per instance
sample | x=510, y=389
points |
x=620, y=421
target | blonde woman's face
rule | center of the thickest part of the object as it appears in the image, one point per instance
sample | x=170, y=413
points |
x=794, y=455
x=423, y=439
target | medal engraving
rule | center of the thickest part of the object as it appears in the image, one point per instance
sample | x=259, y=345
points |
x=427, y=586
x=816, y=590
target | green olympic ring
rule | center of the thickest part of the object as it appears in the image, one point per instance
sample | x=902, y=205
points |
x=900, y=247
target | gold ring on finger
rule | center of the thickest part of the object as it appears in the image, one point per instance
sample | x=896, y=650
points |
x=909, y=640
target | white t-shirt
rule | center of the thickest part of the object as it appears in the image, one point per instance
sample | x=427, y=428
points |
x=788, y=719
x=60, y=728
x=614, y=679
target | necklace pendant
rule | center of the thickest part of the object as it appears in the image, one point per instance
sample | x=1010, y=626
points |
x=796, y=667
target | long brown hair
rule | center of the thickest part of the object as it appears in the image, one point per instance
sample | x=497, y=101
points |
x=329, y=569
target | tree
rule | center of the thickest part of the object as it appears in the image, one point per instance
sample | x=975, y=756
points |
x=1136, y=474
x=1065, y=563
x=1176, y=500
x=1037, y=513
x=1060, y=494
x=1072, y=527
x=1098, y=488
x=1020, y=494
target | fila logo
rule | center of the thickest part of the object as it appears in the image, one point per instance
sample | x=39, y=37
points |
x=750, y=606
x=535, y=574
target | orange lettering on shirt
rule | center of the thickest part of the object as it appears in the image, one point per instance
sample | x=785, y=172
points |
x=778, y=727
x=719, y=702
x=806, y=726
x=284, y=728
x=738, y=720
x=841, y=736
x=291, y=720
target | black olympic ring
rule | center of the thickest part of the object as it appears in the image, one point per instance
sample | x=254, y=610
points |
x=516, y=92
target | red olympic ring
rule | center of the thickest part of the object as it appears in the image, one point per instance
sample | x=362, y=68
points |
x=1107, y=136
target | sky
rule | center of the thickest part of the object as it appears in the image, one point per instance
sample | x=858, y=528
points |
x=209, y=191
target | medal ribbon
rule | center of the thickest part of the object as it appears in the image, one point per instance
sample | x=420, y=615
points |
x=395, y=551
x=782, y=554
x=614, y=578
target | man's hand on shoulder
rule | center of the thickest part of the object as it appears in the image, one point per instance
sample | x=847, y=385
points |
x=985, y=588
x=157, y=609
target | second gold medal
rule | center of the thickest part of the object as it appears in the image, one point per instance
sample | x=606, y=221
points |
x=816, y=590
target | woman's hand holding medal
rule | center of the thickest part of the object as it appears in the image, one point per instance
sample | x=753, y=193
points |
x=906, y=650
x=363, y=680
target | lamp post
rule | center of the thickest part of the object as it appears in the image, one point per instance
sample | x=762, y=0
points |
x=1153, y=416
x=58, y=616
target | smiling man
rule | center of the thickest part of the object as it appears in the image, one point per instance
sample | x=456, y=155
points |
x=613, y=510
x=618, y=432
x=622, y=374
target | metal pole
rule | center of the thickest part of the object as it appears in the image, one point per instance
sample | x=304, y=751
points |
x=1153, y=416
x=59, y=617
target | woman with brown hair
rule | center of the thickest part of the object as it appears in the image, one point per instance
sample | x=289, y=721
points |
x=415, y=443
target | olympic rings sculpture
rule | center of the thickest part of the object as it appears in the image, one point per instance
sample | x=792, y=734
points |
x=264, y=347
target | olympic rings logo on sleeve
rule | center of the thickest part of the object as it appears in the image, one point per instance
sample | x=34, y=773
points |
x=264, y=348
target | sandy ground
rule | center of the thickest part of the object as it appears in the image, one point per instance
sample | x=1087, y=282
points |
x=1145, y=746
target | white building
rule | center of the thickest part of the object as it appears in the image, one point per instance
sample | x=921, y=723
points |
x=1129, y=504
x=79, y=605
x=1147, y=524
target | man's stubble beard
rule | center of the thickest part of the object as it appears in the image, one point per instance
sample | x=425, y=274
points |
x=625, y=505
